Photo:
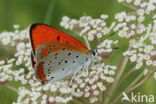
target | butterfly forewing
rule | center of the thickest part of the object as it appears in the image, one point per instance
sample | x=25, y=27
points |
x=41, y=33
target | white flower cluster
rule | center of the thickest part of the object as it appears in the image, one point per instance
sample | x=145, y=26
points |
x=129, y=25
x=132, y=24
x=44, y=94
x=143, y=50
x=142, y=54
x=106, y=46
x=90, y=84
x=143, y=7
x=87, y=26
x=9, y=69
x=11, y=38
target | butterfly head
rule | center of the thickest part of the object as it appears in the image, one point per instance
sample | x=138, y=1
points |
x=93, y=52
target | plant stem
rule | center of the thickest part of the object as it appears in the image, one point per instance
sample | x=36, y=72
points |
x=127, y=75
x=133, y=86
x=117, y=78
x=50, y=11
x=10, y=87
x=142, y=81
x=137, y=79
x=87, y=42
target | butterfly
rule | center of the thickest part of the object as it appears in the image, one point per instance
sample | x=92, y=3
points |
x=56, y=55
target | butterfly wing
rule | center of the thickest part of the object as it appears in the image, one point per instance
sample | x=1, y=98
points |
x=41, y=33
x=33, y=61
x=48, y=48
x=60, y=65
x=56, y=61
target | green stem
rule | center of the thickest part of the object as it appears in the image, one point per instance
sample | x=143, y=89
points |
x=117, y=78
x=133, y=86
x=50, y=11
x=127, y=75
x=82, y=100
x=137, y=79
x=141, y=82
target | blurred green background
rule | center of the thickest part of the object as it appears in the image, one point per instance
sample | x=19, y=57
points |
x=26, y=12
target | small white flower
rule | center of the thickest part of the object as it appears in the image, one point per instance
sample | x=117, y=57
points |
x=51, y=99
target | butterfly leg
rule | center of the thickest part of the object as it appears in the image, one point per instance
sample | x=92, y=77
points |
x=73, y=77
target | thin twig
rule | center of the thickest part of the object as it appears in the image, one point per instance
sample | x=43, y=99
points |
x=127, y=75
x=117, y=78
x=139, y=77
x=50, y=11
x=133, y=86
x=142, y=81
x=87, y=42
x=129, y=6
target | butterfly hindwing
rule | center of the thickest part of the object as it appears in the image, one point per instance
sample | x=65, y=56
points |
x=60, y=61
x=61, y=64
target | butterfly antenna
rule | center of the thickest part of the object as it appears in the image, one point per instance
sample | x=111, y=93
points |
x=110, y=35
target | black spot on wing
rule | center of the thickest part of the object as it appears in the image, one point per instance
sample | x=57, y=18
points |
x=69, y=54
x=63, y=48
x=86, y=59
x=58, y=38
x=66, y=61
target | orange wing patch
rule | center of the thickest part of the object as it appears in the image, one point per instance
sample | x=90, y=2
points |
x=51, y=48
x=40, y=73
